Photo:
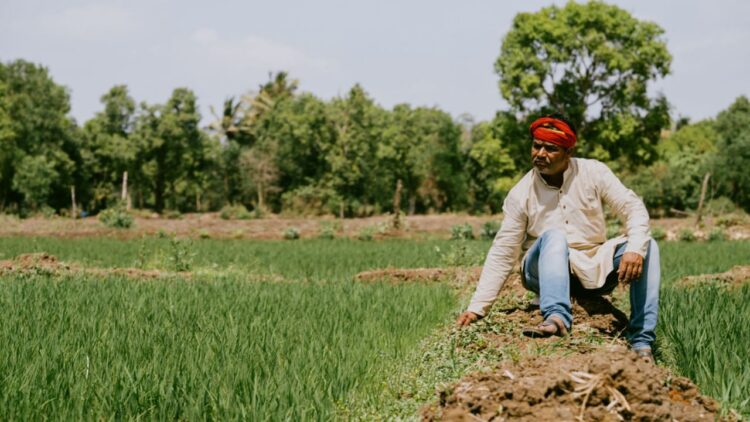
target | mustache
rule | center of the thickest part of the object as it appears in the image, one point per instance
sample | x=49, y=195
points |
x=542, y=160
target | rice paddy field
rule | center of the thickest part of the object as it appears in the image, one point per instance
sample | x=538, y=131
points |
x=279, y=330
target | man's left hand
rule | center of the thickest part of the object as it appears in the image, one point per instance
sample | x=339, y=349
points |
x=631, y=267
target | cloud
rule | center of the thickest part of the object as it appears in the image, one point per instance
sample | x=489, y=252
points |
x=254, y=52
x=90, y=22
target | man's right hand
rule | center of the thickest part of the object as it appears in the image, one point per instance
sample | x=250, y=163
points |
x=466, y=318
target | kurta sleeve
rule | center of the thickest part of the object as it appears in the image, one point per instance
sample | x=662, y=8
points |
x=628, y=206
x=501, y=257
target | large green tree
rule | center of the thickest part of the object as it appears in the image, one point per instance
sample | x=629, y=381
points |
x=36, y=133
x=733, y=152
x=593, y=62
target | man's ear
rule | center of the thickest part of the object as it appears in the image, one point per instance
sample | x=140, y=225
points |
x=571, y=151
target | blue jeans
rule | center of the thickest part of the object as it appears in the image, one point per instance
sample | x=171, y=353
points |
x=551, y=282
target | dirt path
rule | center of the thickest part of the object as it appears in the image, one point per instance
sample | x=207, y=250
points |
x=273, y=227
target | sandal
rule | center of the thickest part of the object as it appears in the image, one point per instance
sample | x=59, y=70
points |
x=645, y=354
x=552, y=326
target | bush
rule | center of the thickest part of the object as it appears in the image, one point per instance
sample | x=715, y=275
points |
x=717, y=233
x=658, y=233
x=328, y=229
x=116, y=217
x=686, y=235
x=720, y=206
x=235, y=212
x=311, y=200
x=462, y=232
x=172, y=214
x=366, y=233
x=730, y=220
x=489, y=230
x=614, y=229
x=460, y=255
x=291, y=233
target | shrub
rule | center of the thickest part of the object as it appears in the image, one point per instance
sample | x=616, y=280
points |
x=328, y=229
x=311, y=200
x=204, y=234
x=460, y=255
x=686, y=235
x=181, y=256
x=489, y=230
x=291, y=233
x=116, y=217
x=730, y=220
x=172, y=214
x=717, y=233
x=719, y=206
x=658, y=233
x=462, y=232
x=365, y=233
x=235, y=212
x=614, y=229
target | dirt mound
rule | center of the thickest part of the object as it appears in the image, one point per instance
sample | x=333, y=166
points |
x=607, y=385
x=406, y=275
x=736, y=276
x=44, y=263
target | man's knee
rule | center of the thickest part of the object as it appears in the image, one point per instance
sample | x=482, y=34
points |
x=555, y=235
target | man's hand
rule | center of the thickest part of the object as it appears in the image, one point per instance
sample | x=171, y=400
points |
x=466, y=318
x=631, y=267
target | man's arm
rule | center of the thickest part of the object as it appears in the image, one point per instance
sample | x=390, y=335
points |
x=629, y=206
x=500, y=260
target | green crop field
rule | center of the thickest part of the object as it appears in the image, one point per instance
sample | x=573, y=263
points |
x=228, y=343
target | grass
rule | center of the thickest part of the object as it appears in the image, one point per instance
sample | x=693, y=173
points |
x=708, y=333
x=315, y=346
x=84, y=349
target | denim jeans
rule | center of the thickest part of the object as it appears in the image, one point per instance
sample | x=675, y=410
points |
x=551, y=281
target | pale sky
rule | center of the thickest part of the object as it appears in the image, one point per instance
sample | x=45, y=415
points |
x=427, y=52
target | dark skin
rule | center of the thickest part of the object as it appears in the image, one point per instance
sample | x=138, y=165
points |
x=551, y=161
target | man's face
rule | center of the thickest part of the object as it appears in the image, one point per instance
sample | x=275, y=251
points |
x=548, y=158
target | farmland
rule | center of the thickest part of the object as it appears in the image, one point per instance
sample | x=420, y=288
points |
x=278, y=329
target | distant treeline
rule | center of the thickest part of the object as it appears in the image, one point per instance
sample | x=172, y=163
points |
x=282, y=150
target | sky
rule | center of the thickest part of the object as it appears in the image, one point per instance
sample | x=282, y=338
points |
x=424, y=52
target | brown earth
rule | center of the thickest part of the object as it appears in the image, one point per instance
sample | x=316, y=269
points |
x=609, y=384
x=736, y=276
x=272, y=227
x=44, y=263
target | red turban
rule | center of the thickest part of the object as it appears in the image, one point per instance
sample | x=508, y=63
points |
x=556, y=131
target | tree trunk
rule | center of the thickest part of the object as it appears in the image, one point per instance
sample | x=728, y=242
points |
x=73, y=208
x=124, y=194
x=397, y=206
x=703, y=197
x=412, y=204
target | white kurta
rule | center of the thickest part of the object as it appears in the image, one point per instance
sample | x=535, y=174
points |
x=533, y=207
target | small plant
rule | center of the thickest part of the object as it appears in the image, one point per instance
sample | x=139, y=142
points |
x=235, y=212
x=291, y=233
x=116, y=217
x=489, y=230
x=614, y=229
x=729, y=220
x=328, y=229
x=658, y=233
x=462, y=232
x=180, y=255
x=459, y=255
x=47, y=212
x=172, y=214
x=366, y=233
x=686, y=235
x=161, y=234
x=716, y=234
x=204, y=234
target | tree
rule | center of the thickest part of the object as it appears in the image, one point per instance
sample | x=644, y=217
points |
x=490, y=168
x=593, y=62
x=35, y=129
x=108, y=148
x=733, y=152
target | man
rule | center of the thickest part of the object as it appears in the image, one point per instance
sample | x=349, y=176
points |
x=555, y=214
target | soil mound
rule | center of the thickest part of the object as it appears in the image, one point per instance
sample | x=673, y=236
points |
x=607, y=385
x=44, y=263
x=736, y=276
x=407, y=275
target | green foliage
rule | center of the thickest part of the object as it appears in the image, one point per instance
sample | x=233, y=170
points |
x=686, y=235
x=720, y=206
x=614, y=228
x=172, y=214
x=366, y=233
x=462, y=254
x=658, y=233
x=572, y=57
x=116, y=217
x=729, y=220
x=462, y=232
x=733, y=152
x=328, y=229
x=489, y=230
x=717, y=233
x=706, y=330
x=291, y=233
x=311, y=201
x=235, y=212
x=180, y=254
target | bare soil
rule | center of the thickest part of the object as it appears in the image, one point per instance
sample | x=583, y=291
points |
x=273, y=226
x=736, y=276
x=44, y=263
x=610, y=384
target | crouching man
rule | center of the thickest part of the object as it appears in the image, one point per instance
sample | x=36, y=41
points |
x=555, y=215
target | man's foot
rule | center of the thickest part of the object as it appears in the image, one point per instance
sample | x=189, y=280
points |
x=552, y=326
x=645, y=354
